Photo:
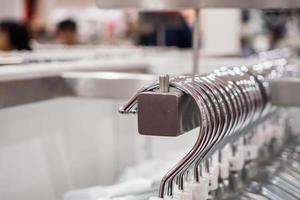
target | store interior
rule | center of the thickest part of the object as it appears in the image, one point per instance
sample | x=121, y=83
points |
x=223, y=72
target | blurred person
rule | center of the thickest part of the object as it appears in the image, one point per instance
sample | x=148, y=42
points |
x=66, y=32
x=132, y=25
x=275, y=23
x=247, y=34
x=14, y=36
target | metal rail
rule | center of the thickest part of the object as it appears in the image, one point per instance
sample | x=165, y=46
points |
x=182, y=4
x=27, y=84
x=285, y=92
x=174, y=113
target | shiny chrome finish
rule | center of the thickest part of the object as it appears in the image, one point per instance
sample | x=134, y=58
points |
x=27, y=83
x=164, y=82
x=18, y=91
x=196, y=40
x=177, y=110
x=106, y=84
x=211, y=96
x=285, y=92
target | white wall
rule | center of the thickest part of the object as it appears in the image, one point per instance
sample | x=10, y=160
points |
x=11, y=9
x=221, y=31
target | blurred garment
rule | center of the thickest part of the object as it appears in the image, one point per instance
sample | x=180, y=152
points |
x=176, y=32
x=14, y=36
x=180, y=37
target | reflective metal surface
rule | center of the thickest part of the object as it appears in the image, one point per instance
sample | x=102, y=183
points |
x=106, y=84
x=175, y=112
x=35, y=71
x=181, y=4
x=285, y=92
x=27, y=83
x=79, y=84
x=18, y=92
x=208, y=106
x=166, y=114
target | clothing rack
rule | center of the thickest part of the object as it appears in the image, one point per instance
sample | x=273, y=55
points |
x=232, y=107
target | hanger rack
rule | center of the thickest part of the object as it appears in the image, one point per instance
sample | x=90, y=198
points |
x=174, y=112
x=172, y=107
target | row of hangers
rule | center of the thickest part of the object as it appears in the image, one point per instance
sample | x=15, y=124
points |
x=237, y=124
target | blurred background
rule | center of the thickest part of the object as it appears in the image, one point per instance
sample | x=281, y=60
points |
x=236, y=32
x=52, y=147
